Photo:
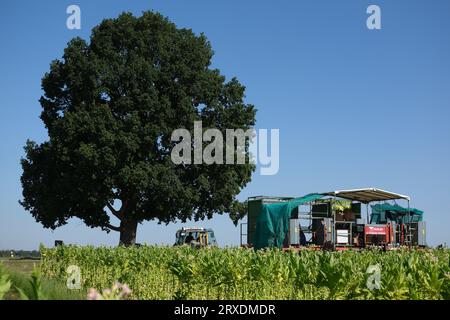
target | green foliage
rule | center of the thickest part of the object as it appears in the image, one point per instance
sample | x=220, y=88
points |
x=212, y=273
x=36, y=292
x=5, y=283
x=51, y=289
x=110, y=107
x=27, y=285
x=341, y=205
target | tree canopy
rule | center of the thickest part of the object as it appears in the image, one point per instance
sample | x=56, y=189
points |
x=110, y=106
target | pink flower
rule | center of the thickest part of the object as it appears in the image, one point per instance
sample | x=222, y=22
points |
x=118, y=291
x=93, y=294
x=126, y=291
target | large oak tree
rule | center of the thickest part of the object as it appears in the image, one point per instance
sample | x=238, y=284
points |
x=110, y=106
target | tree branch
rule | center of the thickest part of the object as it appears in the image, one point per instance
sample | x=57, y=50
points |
x=122, y=210
x=114, y=211
x=111, y=227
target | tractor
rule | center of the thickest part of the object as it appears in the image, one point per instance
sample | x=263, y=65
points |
x=195, y=237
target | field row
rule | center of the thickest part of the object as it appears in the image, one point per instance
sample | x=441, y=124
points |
x=185, y=273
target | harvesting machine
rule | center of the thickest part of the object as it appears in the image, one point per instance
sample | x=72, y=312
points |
x=334, y=220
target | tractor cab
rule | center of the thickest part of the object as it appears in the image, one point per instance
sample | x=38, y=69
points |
x=196, y=237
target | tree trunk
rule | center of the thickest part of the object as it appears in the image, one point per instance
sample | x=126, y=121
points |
x=128, y=230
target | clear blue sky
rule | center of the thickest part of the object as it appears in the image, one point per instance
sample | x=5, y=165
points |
x=355, y=107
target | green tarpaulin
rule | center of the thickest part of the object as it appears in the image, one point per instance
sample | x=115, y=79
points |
x=383, y=212
x=272, y=224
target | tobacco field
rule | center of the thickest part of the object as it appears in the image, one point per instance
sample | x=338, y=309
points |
x=154, y=272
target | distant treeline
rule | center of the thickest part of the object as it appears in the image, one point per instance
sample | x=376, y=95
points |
x=19, y=254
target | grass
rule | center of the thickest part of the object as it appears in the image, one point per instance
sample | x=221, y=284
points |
x=53, y=289
x=23, y=266
x=20, y=271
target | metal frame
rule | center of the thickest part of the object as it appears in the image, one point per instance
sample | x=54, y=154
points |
x=364, y=196
x=308, y=217
x=382, y=196
x=369, y=193
x=243, y=234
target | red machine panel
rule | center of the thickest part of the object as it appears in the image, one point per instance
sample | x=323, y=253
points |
x=377, y=234
x=377, y=230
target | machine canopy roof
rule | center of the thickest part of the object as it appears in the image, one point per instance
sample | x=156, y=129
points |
x=395, y=208
x=366, y=195
x=383, y=212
